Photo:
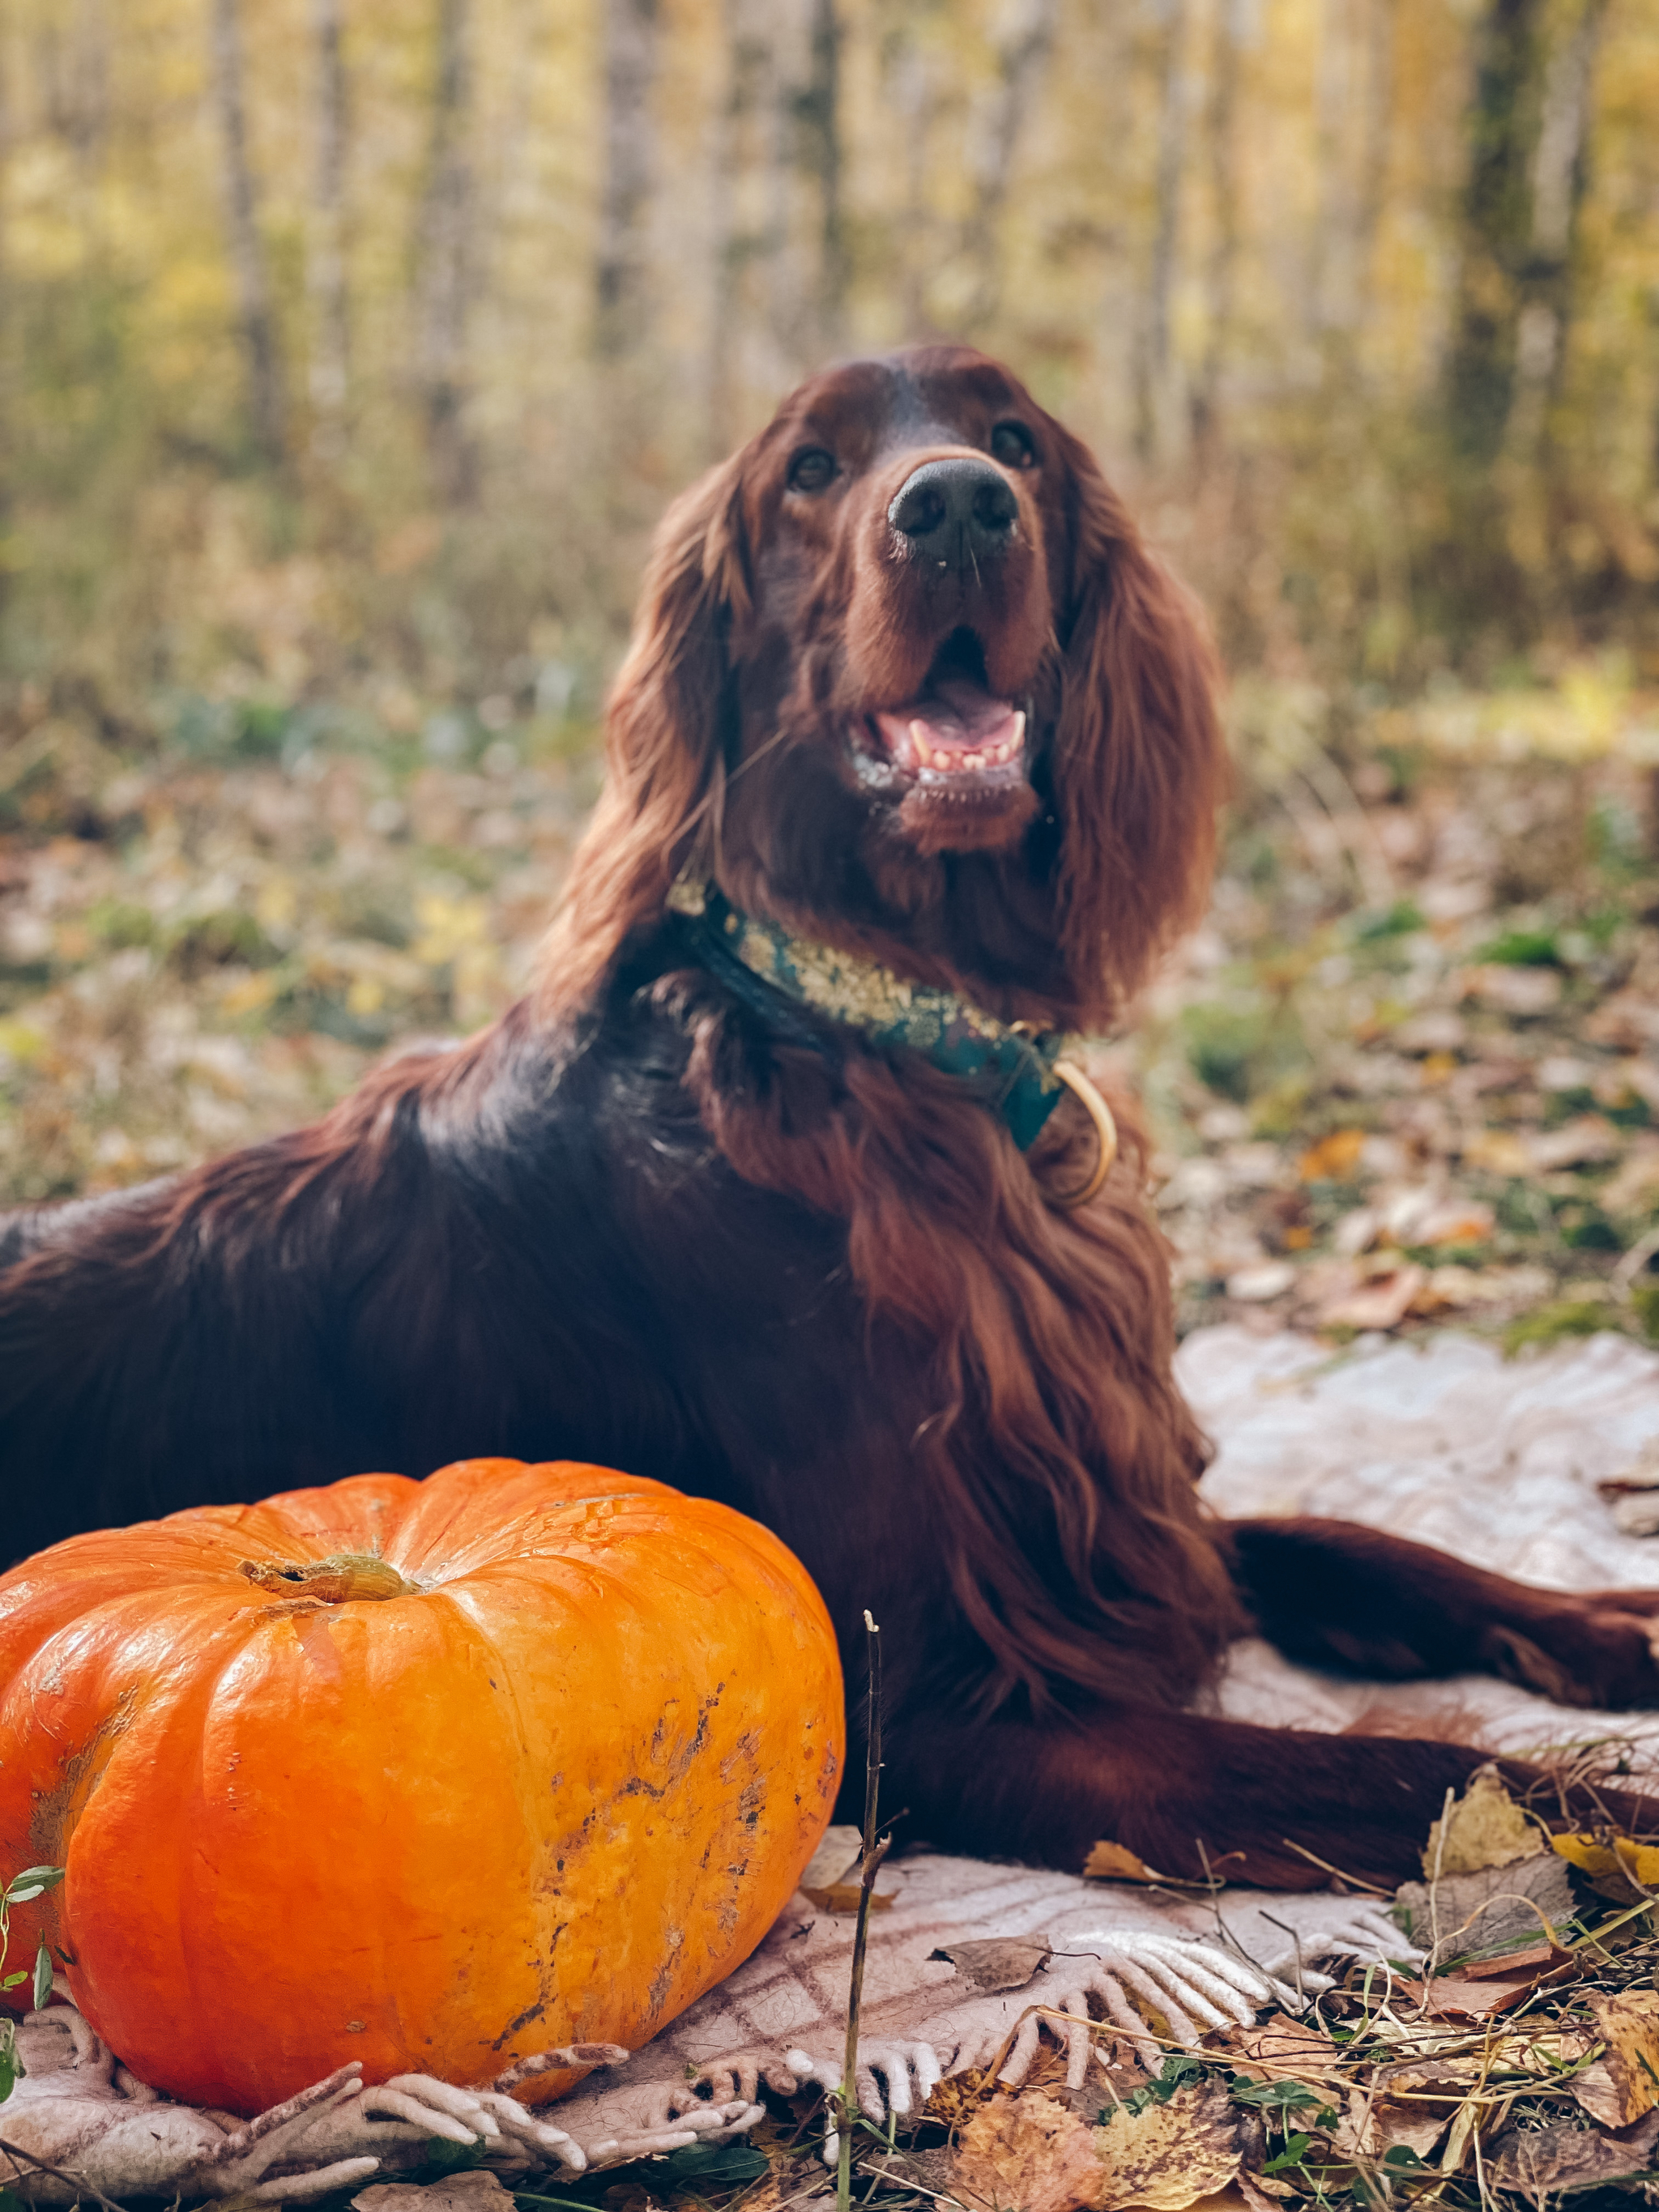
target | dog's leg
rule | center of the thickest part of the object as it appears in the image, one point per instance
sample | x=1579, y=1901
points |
x=1279, y=1808
x=1331, y=1593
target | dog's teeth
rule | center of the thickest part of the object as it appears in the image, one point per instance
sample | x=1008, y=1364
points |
x=973, y=760
x=1018, y=737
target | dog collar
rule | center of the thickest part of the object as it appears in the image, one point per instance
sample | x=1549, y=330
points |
x=763, y=964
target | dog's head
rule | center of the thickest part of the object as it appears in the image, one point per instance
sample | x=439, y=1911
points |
x=904, y=677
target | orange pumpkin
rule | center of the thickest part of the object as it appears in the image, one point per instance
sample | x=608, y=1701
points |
x=431, y=1775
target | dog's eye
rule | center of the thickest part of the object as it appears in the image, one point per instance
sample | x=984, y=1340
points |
x=1012, y=445
x=811, y=469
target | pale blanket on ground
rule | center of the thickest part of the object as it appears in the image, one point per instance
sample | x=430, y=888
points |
x=1495, y=1462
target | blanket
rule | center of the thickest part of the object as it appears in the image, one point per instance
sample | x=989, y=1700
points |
x=972, y=1963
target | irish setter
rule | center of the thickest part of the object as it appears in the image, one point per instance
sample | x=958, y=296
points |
x=906, y=684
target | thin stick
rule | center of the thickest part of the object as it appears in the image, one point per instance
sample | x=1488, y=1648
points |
x=874, y=1853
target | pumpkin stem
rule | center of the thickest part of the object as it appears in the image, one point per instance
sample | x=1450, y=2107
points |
x=335, y=1581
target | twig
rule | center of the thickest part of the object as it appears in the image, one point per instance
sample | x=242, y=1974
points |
x=15, y=2151
x=874, y=1852
x=1354, y=1880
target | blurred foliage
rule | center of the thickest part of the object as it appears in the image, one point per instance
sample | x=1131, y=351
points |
x=1236, y=242
x=336, y=405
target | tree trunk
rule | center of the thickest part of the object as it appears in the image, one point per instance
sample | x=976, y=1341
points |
x=330, y=335
x=622, y=276
x=267, y=410
x=443, y=261
x=911, y=90
x=1220, y=275
x=1502, y=130
x=1375, y=144
x=1024, y=40
x=1153, y=363
x=817, y=109
x=1559, y=173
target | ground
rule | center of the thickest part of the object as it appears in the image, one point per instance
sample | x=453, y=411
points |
x=1407, y=1071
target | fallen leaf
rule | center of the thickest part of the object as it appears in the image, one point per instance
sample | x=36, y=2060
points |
x=1621, y=1869
x=1456, y=1221
x=1374, y=2125
x=843, y=1897
x=1031, y=2151
x=1255, y=1285
x=472, y=2192
x=1582, y=1143
x=1521, y=993
x=1484, y=1828
x=1113, y=1863
x=1496, y=1905
x=1498, y=1151
x=1545, y=1959
x=1170, y=2154
x=831, y=1880
x=1334, y=1158
x=1383, y=1302
x=1001, y=1962
x=1624, y=2083
x=1457, y=1996
x=1283, y=2050
x=1566, y=2158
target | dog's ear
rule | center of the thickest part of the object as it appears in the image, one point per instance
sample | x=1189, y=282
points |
x=1140, y=760
x=665, y=730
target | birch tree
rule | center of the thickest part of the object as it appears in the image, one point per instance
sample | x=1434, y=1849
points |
x=331, y=331
x=444, y=252
x=1560, y=171
x=1502, y=127
x=266, y=399
x=1153, y=366
x=622, y=274
x=1023, y=40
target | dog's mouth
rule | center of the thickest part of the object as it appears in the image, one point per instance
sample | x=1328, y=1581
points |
x=955, y=736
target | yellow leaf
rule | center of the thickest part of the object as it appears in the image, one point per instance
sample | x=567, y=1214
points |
x=1334, y=1158
x=1171, y=2154
x=1498, y=1151
x=1485, y=1829
x=1624, y=2082
x=1112, y=1862
x=1033, y=2153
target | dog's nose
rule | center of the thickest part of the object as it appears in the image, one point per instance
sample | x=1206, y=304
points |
x=955, y=509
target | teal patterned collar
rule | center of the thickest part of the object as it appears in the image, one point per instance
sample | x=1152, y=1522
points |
x=764, y=964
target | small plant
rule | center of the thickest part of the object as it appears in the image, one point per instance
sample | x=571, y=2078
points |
x=22, y=1889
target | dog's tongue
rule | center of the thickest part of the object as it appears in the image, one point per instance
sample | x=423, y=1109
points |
x=956, y=725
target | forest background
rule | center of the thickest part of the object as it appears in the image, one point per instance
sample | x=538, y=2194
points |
x=349, y=349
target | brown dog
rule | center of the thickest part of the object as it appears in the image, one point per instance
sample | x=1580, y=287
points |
x=767, y=1199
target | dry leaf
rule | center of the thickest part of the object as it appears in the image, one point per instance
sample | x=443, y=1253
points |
x=1624, y=2083
x=1566, y=2158
x=1376, y=2125
x=1283, y=2050
x=1610, y=1867
x=843, y=1897
x=1170, y=2154
x=1334, y=1158
x=1383, y=1303
x=1451, y=1996
x=1031, y=2151
x=1113, y=1863
x=1582, y=1143
x=831, y=1880
x=1544, y=1961
x=1485, y=1829
x=1498, y=1151
x=1497, y=1904
x=1001, y=1962
x=473, y=2192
